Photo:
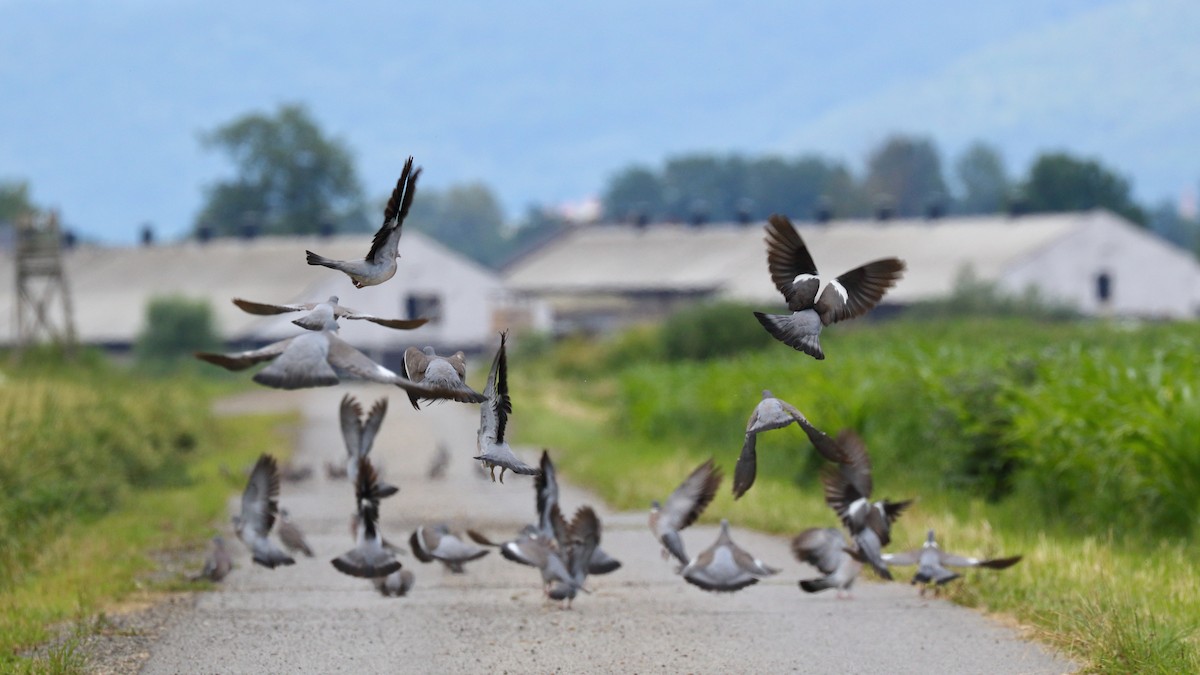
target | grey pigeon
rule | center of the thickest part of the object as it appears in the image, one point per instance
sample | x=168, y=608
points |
x=218, y=563
x=932, y=562
x=773, y=413
x=260, y=504
x=295, y=473
x=317, y=314
x=335, y=471
x=379, y=265
x=583, y=536
x=493, y=418
x=795, y=275
x=848, y=488
x=314, y=359
x=683, y=507
x=369, y=558
x=358, y=432
x=291, y=536
x=535, y=550
x=438, y=543
x=725, y=567
x=395, y=585
x=825, y=549
x=447, y=373
x=546, y=487
x=439, y=463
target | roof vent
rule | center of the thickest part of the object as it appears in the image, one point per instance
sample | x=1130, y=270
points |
x=147, y=235
x=204, y=232
x=698, y=214
x=69, y=239
x=745, y=211
x=884, y=207
x=823, y=212
x=326, y=230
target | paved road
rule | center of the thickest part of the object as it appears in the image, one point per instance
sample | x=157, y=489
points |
x=310, y=618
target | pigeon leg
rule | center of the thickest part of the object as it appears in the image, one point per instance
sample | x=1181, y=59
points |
x=492, y=472
x=502, y=470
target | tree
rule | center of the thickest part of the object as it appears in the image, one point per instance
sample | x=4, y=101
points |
x=633, y=193
x=907, y=172
x=1058, y=181
x=15, y=201
x=291, y=177
x=466, y=218
x=983, y=180
x=703, y=187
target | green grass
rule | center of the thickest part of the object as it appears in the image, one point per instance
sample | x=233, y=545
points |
x=1075, y=444
x=102, y=473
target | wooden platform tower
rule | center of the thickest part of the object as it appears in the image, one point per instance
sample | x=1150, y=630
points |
x=43, y=304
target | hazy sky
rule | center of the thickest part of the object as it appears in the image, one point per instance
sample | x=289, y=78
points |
x=102, y=103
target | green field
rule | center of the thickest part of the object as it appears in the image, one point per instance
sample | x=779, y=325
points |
x=1076, y=444
x=104, y=473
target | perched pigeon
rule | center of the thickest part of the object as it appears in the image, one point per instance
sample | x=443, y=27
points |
x=932, y=561
x=313, y=359
x=380, y=263
x=395, y=585
x=218, y=564
x=447, y=373
x=291, y=536
x=848, y=492
x=773, y=413
x=725, y=567
x=359, y=433
x=795, y=275
x=369, y=558
x=583, y=536
x=335, y=471
x=260, y=503
x=493, y=417
x=318, y=314
x=295, y=473
x=683, y=507
x=437, y=543
x=546, y=487
x=825, y=549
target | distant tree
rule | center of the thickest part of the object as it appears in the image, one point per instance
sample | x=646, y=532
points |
x=14, y=200
x=796, y=188
x=466, y=218
x=1167, y=222
x=1061, y=182
x=538, y=226
x=983, y=180
x=175, y=327
x=908, y=171
x=632, y=193
x=291, y=177
x=703, y=186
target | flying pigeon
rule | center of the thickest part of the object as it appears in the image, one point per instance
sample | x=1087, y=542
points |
x=218, y=563
x=848, y=488
x=493, y=417
x=369, y=558
x=535, y=550
x=380, y=263
x=725, y=567
x=583, y=536
x=437, y=543
x=317, y=314
x=359, y=433
x=932, y=561
x=824, y=549
x=291, y=536
x=395, y=585
x=683, y=507
x=795, y=275
x=448, y=373
x=546, y=487
x=260, y=503
x=773, y=413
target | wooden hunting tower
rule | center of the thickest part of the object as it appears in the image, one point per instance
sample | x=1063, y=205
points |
x=43, y=299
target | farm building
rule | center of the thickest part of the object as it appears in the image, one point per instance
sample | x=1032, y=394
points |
x=110, y=288
x=598, y=277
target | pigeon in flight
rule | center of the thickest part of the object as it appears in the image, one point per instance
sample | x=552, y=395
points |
x=493, y=418
x=359, y=433
x=932, y=562
x=583, y=536
x=683, y=507
x=825, y=549
x=218, y=563
x=260, y=504
x=380, y=263
x=438, y=543
x=795, y=275
x=535, y=550
x=318, y=314
x=773, y=413
x=448, y=373
x=725, y=567
x=546, y=487
x=370, y=558
x=291, y=536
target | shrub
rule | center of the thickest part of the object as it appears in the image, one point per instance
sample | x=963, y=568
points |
x=712, y=330
x=175, y=327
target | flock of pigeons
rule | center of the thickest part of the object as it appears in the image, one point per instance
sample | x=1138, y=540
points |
x=567, y=552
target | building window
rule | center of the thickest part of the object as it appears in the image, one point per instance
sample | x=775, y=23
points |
x=1104, y=287
x=424, y=306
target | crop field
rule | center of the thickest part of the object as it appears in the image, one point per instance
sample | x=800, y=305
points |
x=1076, y=444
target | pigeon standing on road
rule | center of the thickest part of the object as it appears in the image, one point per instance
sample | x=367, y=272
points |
x=218, y=564
x=683, y=507
x=396, y=584
x=291, y=536
x=773, y=413
x=379, y=265
x=932, y=561
x=448, y=373
x=825, y=549
x=318, y=314
x=370, y=558
x=439, y=463
x=725, y=567
x=260, y=504
x=795, y=275
x=493, y=418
